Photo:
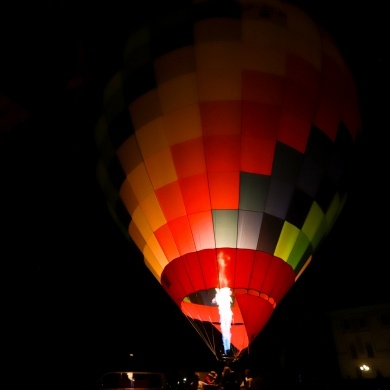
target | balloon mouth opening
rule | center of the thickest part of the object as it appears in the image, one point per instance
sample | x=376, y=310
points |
x=207, y=297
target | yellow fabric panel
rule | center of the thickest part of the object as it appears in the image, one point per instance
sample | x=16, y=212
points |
x=161, y=169
x=152, y=264
x=177, y=63
x=160, y=261
x=179, y=92
x=153, y=213
x=128, y=197
x=217, y=29
x=140, y=182
x=142, y=226
x=268, y=60
x=152, y=137
x=129, y=155
x=218, y=55
x=183, y=125
x=313, y=221
x=219, y=84
x=287, y=238
x=145, y=109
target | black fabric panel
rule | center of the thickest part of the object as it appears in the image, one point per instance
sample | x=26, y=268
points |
x=253, y=191
x=319, y=147
x=122, y=213
x=138, y=83
x=287, y=163
x=299, y=208
x=171, y=36
x=218, y=8
x=325, y=193
x=269, y=233
x=116, y=174
x=120, y=128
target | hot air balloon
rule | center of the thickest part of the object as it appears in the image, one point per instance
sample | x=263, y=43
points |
x=226, y=144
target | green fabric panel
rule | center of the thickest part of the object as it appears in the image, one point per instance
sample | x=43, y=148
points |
x=253, y=191
x=313, y=221
x=137, y=52
x=287, y=240
x=300, y=248
x=225, y=228
x=334, y=210
x=321, y=233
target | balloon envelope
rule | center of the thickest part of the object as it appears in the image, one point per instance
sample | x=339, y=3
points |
x=226, y=143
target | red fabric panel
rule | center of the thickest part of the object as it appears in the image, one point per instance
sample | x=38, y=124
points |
x=196, y=194
x=188, y=158
x=260, y=120
x=174, y=283
x=171, y=201
x=285, y=280
x=244, y=268
x=222, y=153
x=297, y=116
x=260, y=269
x=167, y=242
x=194, y=270
x=257, y=155
x=273, y=284
x=224, y=190
x=182, y=234
x=331, y=98
x=255, y=312
x=209, y=264
x=221, y=117
x=262, y=87
x=200, y=312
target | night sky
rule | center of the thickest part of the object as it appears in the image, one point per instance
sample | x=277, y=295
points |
x=77, y=298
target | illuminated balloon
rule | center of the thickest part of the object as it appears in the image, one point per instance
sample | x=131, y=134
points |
x=226, y=142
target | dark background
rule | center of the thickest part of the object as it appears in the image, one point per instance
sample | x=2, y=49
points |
x=76, y=297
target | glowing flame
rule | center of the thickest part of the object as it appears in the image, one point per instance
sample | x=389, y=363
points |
x=223, y=298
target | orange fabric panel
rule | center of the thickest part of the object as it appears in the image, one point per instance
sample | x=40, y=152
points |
x=224, y=190
x=182, y=234
x=167, y=242
x=171, y=201
x=202, y=230
x=188, y=158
